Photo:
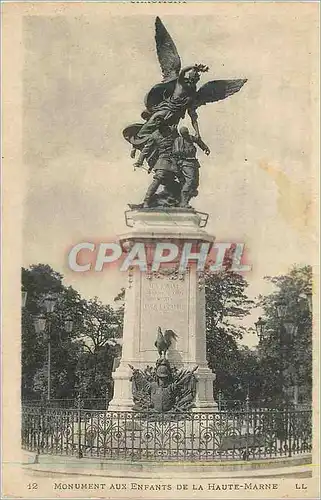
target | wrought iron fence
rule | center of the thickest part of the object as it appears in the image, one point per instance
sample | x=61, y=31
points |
x=223, y=435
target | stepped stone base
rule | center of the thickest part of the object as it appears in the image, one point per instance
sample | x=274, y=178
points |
x=258, y=470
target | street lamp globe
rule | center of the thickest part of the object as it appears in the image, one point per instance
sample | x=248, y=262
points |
x=307, y=297
x=260, y=326
x=40, y=323
x=69, y=323
x=290, y=327
x=281, y=308
x=50, y=302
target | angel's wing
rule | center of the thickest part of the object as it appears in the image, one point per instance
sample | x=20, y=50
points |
x=168, y=56
x=217, y=90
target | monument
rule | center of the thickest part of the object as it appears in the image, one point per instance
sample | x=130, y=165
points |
x=167, y=298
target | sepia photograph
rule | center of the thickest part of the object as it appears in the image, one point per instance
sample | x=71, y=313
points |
x=160, y=243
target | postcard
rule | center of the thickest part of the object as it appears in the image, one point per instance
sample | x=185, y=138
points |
x=160, y=242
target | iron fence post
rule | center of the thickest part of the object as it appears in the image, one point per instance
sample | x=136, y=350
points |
x=290, y=414
x=49, y=368
x=80, y=454
x=38, y=437
x=247, y=416
x=40, y=431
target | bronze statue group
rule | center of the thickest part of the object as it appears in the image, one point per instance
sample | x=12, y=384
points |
x=169, y=151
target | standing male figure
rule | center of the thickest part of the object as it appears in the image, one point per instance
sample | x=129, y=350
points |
x=165, y=170
x=184, y=150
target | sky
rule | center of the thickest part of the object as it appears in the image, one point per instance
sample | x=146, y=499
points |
x=84, y=80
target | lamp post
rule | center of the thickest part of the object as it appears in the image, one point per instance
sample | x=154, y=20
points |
x=43, y=325
x=281, y=312
x=260, y=327
x=290, y=328
x=69, y=326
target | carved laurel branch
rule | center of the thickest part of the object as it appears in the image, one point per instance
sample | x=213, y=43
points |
x=172, y=272
x=130, y=276
x=201, y=280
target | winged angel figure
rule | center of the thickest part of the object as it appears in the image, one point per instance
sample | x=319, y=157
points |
x=167, y=102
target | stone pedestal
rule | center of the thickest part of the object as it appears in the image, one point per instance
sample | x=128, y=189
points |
x=167, y=298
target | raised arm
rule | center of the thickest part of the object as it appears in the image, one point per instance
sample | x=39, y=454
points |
x=183, y=72
x=194, y=116
x=201, y=144
x=200, y=68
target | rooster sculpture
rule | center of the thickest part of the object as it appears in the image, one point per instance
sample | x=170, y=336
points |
x=164, y=341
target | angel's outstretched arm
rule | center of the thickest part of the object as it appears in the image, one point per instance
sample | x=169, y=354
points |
x=200, y=68
x=183, y=72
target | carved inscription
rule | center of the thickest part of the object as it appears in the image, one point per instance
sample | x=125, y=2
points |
x=164, y=302
x=163, y=296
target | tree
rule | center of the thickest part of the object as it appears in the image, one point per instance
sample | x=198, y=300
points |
x=101, y=324
x=81, y=359
x=286, y=349
x=38, y=281
x=248, y=370
x=226, y=304
x=94, y=372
